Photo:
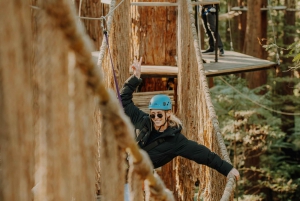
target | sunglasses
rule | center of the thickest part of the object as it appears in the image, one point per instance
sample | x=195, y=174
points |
x=152, y=116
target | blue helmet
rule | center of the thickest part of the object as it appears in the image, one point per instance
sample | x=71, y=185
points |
x=160, y=102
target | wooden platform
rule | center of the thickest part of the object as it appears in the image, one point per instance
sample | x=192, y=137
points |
x=232, y=62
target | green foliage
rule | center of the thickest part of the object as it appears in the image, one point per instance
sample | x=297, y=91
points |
x=295, y=52
x=249, y=128
x=251, y=131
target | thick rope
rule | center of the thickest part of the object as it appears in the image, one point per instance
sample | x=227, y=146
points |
x=230, y=186
x=108, y=26
x=81, y=45
x=158, y=192
x=79, y=9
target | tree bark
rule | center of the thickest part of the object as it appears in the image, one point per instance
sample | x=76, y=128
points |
x=93, y=9
x=238, y=27
x=154, y=37
x=255, y=31
x=286, y=88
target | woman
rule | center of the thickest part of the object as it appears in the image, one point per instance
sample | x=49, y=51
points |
x=159, y=133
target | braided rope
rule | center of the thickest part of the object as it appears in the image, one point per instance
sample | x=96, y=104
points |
x=108, y=26
x=110, y=109
x=230, y=185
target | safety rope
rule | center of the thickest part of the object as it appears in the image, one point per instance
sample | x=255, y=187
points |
x=273, y=31
x=113, y=69
x=263, y=106
x=79, y=9
x=106, y=24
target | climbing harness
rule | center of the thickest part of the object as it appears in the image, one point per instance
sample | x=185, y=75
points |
x=154, y=144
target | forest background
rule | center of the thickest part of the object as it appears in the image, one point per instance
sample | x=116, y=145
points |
x=259, y=111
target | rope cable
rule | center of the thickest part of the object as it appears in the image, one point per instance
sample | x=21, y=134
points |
x=263, y=106
x=229, y=23
x=199, y=14
x=79, y=9
x=273, y=31
x=112, y=10
x=113, y=69
x=106, y=26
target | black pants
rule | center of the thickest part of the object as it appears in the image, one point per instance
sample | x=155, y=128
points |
x=209, y=24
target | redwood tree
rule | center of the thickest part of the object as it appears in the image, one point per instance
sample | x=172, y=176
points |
x=256, y=30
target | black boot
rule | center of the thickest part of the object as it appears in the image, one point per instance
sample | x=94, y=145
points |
x=209, y=50
x=221, y=52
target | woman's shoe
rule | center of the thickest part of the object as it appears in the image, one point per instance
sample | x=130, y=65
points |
x=209, y=50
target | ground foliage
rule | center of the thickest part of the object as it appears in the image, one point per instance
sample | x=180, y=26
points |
x=248, y=128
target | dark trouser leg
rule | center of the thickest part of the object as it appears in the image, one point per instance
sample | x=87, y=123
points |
x=211, y=24
x=208, y=32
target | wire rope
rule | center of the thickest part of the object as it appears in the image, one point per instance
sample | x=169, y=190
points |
x=273, y=31
x=255, y=102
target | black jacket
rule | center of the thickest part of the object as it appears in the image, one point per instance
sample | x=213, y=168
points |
x=175, y=143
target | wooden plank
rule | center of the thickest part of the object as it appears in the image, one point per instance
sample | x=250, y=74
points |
x=152, y=93
x=205, y=2
x=158, y=71
x=106, y=1
x=234, y=62
x=231, y=62
x=265, y=8
x=153, y=4
x=172, y=4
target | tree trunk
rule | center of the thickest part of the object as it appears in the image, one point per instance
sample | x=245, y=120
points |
x=154, y=38
x=255, y=31
x=92, y=9
x=286, y=88
x=238, y=27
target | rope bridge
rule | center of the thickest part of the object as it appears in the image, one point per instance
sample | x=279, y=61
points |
x=49, y=140
x=213, y=188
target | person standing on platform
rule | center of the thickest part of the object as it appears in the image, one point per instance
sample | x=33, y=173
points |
x=209, y=23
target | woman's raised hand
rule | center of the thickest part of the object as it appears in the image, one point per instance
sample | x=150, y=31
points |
x=235, y=173
x=136, y=67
